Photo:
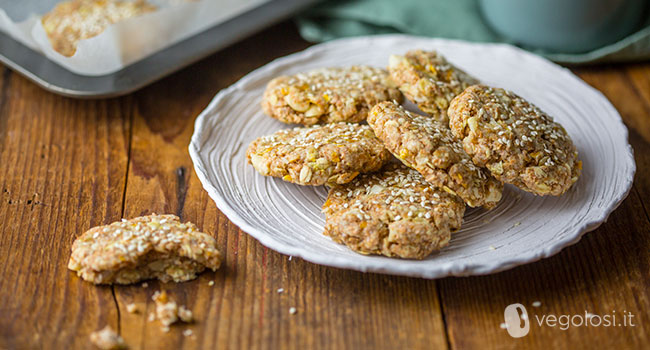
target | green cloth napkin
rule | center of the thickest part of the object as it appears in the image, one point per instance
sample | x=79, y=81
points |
x=454, y=19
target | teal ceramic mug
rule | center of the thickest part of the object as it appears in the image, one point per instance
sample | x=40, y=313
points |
x=570, y=26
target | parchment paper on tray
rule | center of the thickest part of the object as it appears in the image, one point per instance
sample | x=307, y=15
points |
x=130, y=40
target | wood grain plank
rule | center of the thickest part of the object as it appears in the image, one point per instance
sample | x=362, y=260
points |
x=628, y=88
x=606, y=271
x=335, y=308
x=63, y=166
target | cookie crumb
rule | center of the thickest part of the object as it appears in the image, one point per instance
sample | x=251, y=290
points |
x=107, y=339
x=168, y=311
x=185, y=314
x=537, y=304
x=211, y=283
x=292, y=310
x=132, y=308
x=145, y=285
x=187, y=332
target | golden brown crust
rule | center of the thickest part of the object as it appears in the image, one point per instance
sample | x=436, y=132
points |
x=318, y=155
x=328, y=95
x=515, y=140
x=154, y=246
x=74, y=20
x=394, y=212
x=428, y=80
x=428, y=146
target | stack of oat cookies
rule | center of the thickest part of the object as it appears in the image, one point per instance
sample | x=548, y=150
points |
x=399, y=181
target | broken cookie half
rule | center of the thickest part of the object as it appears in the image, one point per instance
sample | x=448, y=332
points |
x=146, y=247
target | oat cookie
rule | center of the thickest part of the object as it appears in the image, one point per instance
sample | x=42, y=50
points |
x=393, y=212
x=154, y=246
x=74, y=20
x=428, y=80
x=317, y=155
x=515, y=140
x=428, y=146
x=328, y=95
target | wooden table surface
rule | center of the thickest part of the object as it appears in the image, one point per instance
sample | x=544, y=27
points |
x=67, y=165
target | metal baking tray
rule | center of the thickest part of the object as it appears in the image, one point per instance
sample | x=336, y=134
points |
x=37, y=68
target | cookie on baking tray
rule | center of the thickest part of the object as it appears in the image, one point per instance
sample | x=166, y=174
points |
x=74, y=20
x=154, y=246
x=393, y=212
x=428, y=80
x=515, y=140
x=317, y=155
x=426, y=145
x=328, y=95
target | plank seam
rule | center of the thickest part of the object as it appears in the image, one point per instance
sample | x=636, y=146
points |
x=117, y=307
x=126, y=182
x=128, y=164
x=444, y=318
x=645, y=211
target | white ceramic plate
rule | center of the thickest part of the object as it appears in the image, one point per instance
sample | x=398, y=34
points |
x=523, y=228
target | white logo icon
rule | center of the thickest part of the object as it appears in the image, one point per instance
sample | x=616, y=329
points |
x=513, y=320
